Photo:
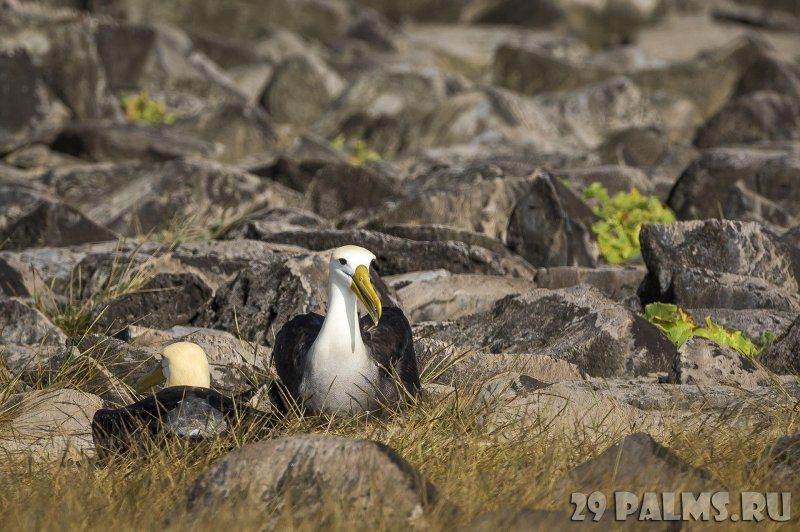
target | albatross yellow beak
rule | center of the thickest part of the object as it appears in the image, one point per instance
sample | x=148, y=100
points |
x=153, y=378
x=366, y=294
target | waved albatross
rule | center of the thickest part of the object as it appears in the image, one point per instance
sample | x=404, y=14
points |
x=185, y=408
x=340, y=364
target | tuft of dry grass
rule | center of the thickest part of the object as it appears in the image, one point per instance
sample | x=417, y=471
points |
x=442, y=436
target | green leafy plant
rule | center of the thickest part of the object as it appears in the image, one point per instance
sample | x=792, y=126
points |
x=679, y=326
x=621, y=218
x=141, y=106
x=358, y=151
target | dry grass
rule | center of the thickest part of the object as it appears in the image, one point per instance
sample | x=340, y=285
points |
x=442, y=436
x=474, y=468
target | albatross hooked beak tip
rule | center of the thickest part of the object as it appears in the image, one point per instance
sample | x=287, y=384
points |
x=362, y=287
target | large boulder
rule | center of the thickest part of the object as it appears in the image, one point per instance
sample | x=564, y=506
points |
x=718, y=263
x=400, y=255
x=162, y=302
x=98, y=141
x=439, y=295
x=301, y=89
x=617, y=283
x=387, y=108
x=143, y=197
x=783, y=357
x=550, y=226
x=49, y=425
x=267, y=294
x=30, y=218
x=466, y=369
x=337, y=188
x=702, y=362
x=755, y=117
x=312, y=479
x=483, y=206
x=635, y=464
x=721, y=173
x=24, y=325
x=577, y=324
x=240, y=20
x=512, y=407
x=26, y=106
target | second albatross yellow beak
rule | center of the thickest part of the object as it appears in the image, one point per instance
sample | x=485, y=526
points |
x=362, y=286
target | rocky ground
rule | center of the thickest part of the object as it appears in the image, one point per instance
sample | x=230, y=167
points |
x=179, y=170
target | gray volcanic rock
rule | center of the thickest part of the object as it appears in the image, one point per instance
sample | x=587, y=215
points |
x=615, y=178
x=702, y=362
x=124, y=361
x=773, y=174
x=266, y=294
x=399, y=255
x=387, y=108
x=275, y=220
x=712, y=399
x=105, y=141
x=22, y=324
x=755, y=117
x=533, y=67
x=241, y=20
x=23, y=279
x=464, y=368
x=709, y=79
x=549, y=226
x=792, y=237
x=719, y=264
x=440, y=233
x=636, y=464
x=25, y=359
x=783, y=356
x=218, y=261
x=301, y=90
x=337, y=188
x=63, y=46
x=143, y=197
x=29, y=218
x=513, y=407
x=770, y=74
x=165, y=300
x=49, y=425
x=307, y=477
x=27, y=105
x=577, y=324
x=244, y=131
x=439, y=295
x=483, y=206
x=617, y=283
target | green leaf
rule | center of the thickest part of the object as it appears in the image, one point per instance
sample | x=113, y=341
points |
x=621, y=218
x=665, y=312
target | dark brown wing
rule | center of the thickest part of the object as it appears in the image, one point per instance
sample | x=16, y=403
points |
x=292, y=344
x=117, y=430
x=391, y=345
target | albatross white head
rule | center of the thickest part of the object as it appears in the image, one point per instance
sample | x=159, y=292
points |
x=349, y=272
x=182, y=364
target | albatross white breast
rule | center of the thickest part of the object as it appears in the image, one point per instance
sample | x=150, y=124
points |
x=341, y=364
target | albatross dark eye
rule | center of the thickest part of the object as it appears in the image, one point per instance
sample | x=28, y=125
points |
x=342, y=261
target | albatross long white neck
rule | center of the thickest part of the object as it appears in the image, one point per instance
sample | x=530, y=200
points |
x=340, y=333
